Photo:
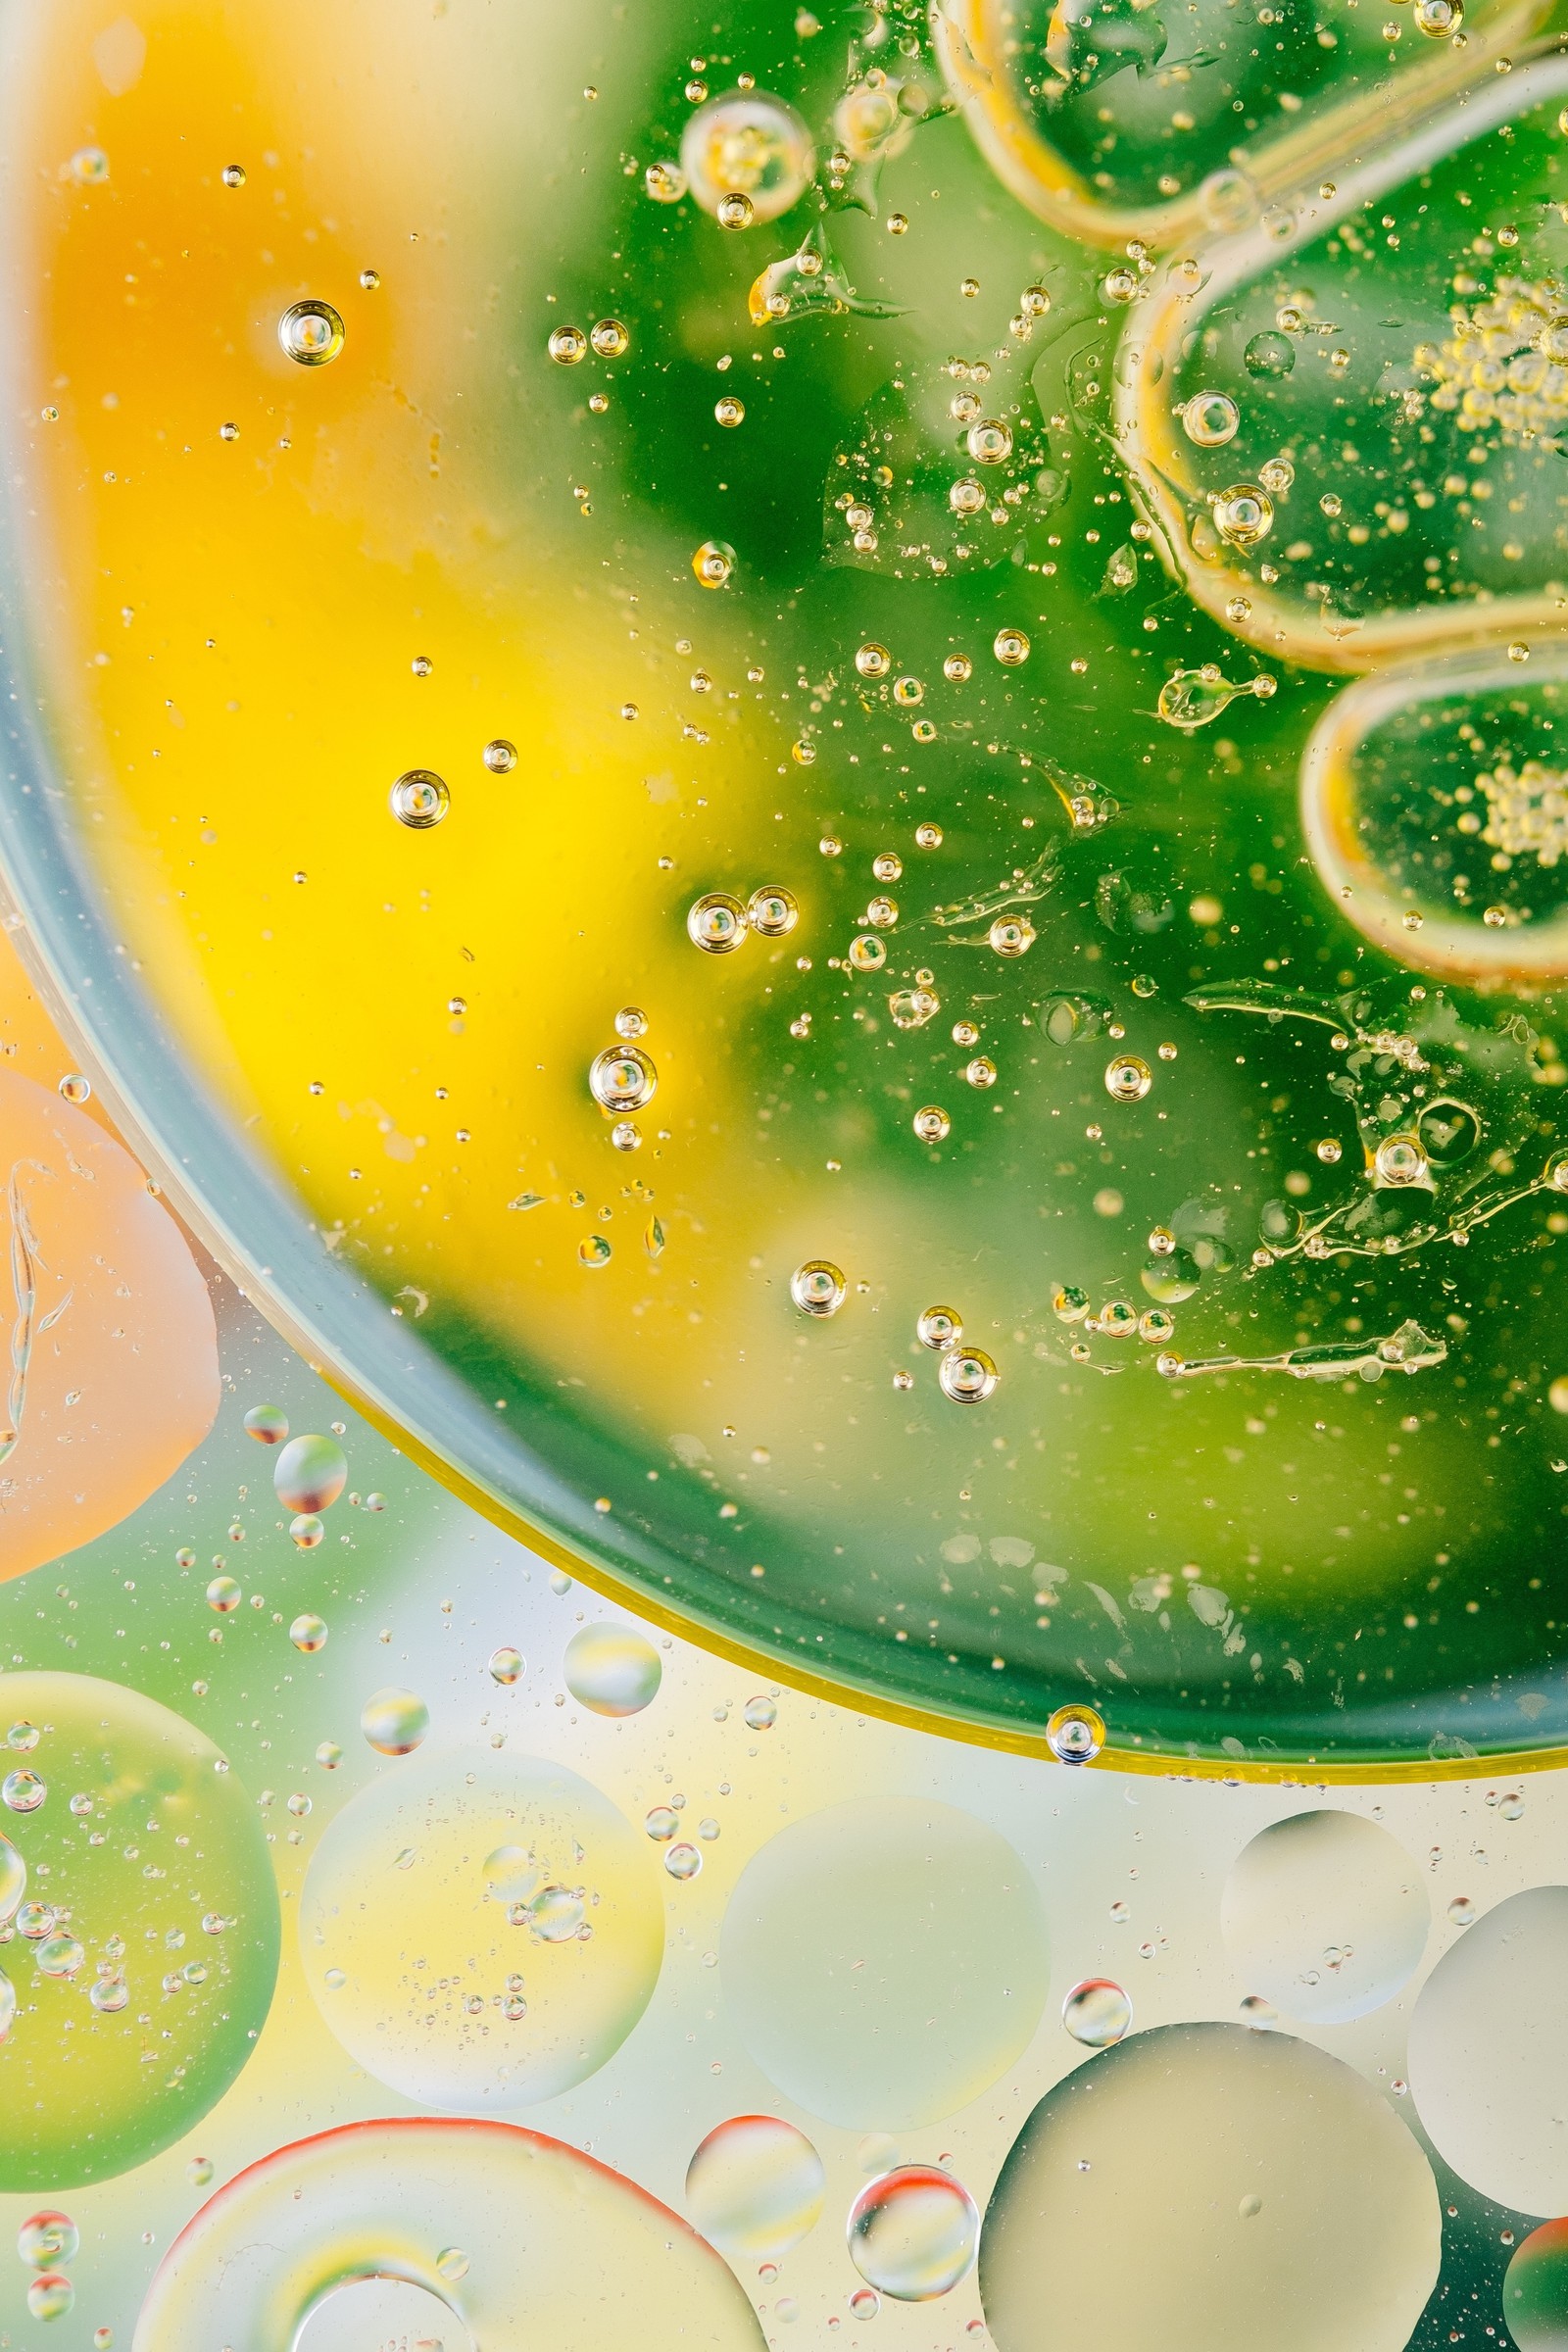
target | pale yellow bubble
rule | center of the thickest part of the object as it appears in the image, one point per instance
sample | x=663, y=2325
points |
x=515, y=1868
x=1125, y=2215
x=1325, y=1914
x=394, y=1721
x=613, y=1669
x=756, y=2187
x=885, y=1960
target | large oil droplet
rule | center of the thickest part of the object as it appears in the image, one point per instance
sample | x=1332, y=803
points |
x=912, y=2233
x=756, y=2187
x=1325, y=1913
x=13, y=1880
x=1535, y=2290
x=613, y=1669
x=310, y=333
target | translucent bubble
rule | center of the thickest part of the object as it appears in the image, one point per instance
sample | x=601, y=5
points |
x=505, y=1665
x=1325, y=1913
x=1075, y=1734
x=610, y=339
x=666, y=183
x=989, y=441
x=307, y=1632
x=80, y=2101
x=714, y=562
x=885, y=1960
x=310, y=1474
x=267, y=1423
x=760, y=1714
x=1211, y=418
x=306, y=1530
x=1128, y=1079
x=1243, y=514
x=729, y=410
x=13, y=1880
x=1097, y=2013
x=1438, y=20
x=873, y=660
x=24, y=1792
x=912, y=1008
x=568, y=345
x=310, y=333
x=1010, y=647
x=613, y=1669
x=1065, y=1019
x=867, y=952
x=939, y=1327
x=499, y=757
x=1155, y=2143
x=622, y=1078
x=50, y=2295
x=1011, y=935
x=912, y=2233
x=412, y=1945
x=47, y=2240
x=1269, y=355
x=1535, y=2290
x=756, y=2187
x=108, y=1995
x=717, y=923
x=749, y=145
x=683, y=1861
x=1487, y=2047
x=420, y=800
x=771, y=912
x=968, y=1375
x=225, y=1595
x=394, y=1721
x=661, y=1824
x=932, y=1124
x=817, y=1286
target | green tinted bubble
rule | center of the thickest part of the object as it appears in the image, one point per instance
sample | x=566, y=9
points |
x=1535, y=2290
x=171, y=1842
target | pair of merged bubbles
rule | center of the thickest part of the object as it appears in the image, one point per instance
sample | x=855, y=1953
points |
x=1174, y=901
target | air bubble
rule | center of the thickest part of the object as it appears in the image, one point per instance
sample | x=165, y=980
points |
x=717, y=923
x=1075, y=1734
x=968, y=1375
x=622, y=1078
x=420, y=800
x=817, y=1286
x=311, y=333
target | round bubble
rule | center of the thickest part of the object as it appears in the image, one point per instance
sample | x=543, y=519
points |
x=48, y=2240
x=1097, y=2013
x=481, y=1930
x=1204, y=2186
x=1488, y=2049
x=13, y=1880
x=111, y=1349
x=912, y=2233
x=555, y=2249
x=885, y=1960
x=310, y=1474
x=1535, y=2290
x=394, y=1721
x=751, y=145
x=613, y=1669
x=79, y=2099
x=1325, y=1914
x=756, y=2187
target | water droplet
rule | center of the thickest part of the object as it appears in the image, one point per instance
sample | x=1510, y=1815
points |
x=50, y=2295
x=755, y=2187
x=1075, y=1734
x=912, y=2232
x=59, y=1956
x=683, y=1861
x=310, y=333
x=612, y=1669
x=394, y=1721
x=420, y=800
x=817, y=1286
x=47, y=2240
x=661, y=1823
x=1461, y=1911
x=23, y=1791
x=108, y=1995
x=864, y=2303
x=1097, y=2013
x=760, y=1713
x=75, y=1088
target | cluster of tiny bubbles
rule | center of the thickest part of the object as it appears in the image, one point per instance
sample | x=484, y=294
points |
x=394, y=1721
x=713, y=563
x=968, y=1375
x=1128, y=1079
x=613, y=1669
x=755, y=2187
x=1075, y=1733
x=505, y=1665
x=622, y=1078
x=818, y=1287
x=912, y=2232
x=931, y=1123
x=1097, y=2012
x=267, y=1423
x=1326, y=1913
x=1010, y=647
x=1535, y=2289
x=1210, y=418
x=749, y=145
x=499, y=756
x=310, y=333
x=307, y=1632
x=310, y=1474
x=420, y=799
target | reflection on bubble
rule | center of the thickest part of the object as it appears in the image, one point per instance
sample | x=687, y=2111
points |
x=47, y=2240
x=1488, y=2048
x=461, y=1882
x=1156, y=2145
x=885, y=1960
x=747, y=145
x=310, y=1474
x=1535, y=2290
x=1325, y=1914
x=1097, y=2013
x=613, y=1669
x=912, y=2233
x=394, y=1721
x=756, y=2187
x=555, y=2249
x=79, y=2100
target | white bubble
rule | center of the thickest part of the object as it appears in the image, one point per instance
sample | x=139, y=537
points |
x=1325, y=1914
x=613, y=1669
x=912, y=2232
x=756, y=2187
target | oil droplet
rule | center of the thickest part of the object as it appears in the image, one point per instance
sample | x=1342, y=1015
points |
x=1128, y=1079
x=568, y=345
x=75, y=1088
x=233, y=176
x=714, y=562
x=760, y=1713
x=505, y=1665
x=912, y=2232
x=50, y=2295
x=612, y=1669
x=729, y=410
x=1243, y=514
x=683, y=1861
x=735, y=211
x=1269, y=355
x=932, y=1124
x=306, y=1530
x=981, y=1072
x=755, y=2187
x=420, y=799
x=873, y=660
x=912, y=1008
x=666, y=183
x=47, y=2240
x=771, y=912
x=610, y=339
x=968, y=1375
x=717, y=923
x=622, y=1078
x=1461, y=1911
x=310, y=1474
x=817, y=1286
x=310, y=333
x=23, y=1791
x=1438, y=20
x=661, y=1823
x=307, y=1632
x=13, y=1880
x=1010, y=647
x=751, y=145
x=223, y=1596
x=1210, y=420
x=957, y=669
x=267, y=1423
x=594, y=1250
x=394, y=1721
x=499, y=757
x=939, y=1327
x=1075, y=1734
x=867, y=952
x=989, y=441
x=1097, y=2013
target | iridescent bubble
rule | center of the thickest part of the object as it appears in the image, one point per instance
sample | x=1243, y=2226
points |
x=505, y=1665
x=1535, y=2290
x=267, y=1423
x=50, y=2295
x=47, y=2240
x=756, y=2187
x=559, y=2250
x=613, y=1669
x=864, y=2303
x=13, y=1880
x=169, y=1829
x=307, y=1632
x=912, y=2232
x=310, y=1474
x=412, y=1946
x=394, y=1721
x=1325, y=1913
x=306, y=1530
x=1097, y=2013
x=1270, y=2194
x=885, y=1960
x=1488, y=2046
x=818, y=1287
x=748, y=144
x=310, y=333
